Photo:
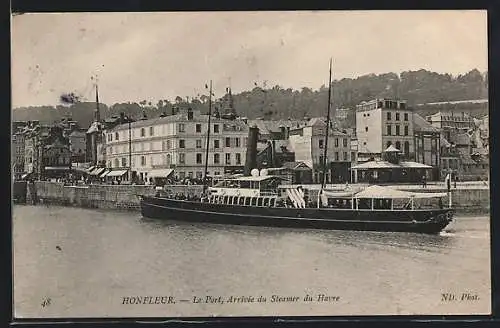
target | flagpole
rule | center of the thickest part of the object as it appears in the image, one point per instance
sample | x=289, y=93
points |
x=208, y=137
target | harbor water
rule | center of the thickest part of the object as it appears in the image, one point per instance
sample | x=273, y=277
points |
x=74, y=262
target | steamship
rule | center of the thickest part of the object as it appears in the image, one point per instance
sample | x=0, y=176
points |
x=261, y=199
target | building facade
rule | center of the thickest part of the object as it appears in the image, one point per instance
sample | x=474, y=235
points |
x=384, y=122
x=176, y=142
x=78, y=145
x=308, y=144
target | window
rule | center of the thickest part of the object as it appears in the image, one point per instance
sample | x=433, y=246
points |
x=216, y=158
x=182, y=175
x=402, y=106
x=198, y=143
x=110, y=137
x=143, y=160
x=389, y=116
x=216, y=173
x=398, y=145
x=124, y=162
x=111, y=150
x=321, y=143
x=198, y=128
x=117, y=136
x=345, y=156
x=190, y=175
x=109, y=164
x=117, y=162
x=169, y=144
x=151, y=131
x=169, y=159
x=406, y=114
x=389, y=129
x=237, y=142
x=344, y=142
x=406, y=130
x=143, y=132
x=182, y=127
x=407, y=147
x=397, y=130
x=389, y=143
x=216, y=143
x=321, y=160
x=336, y=156
x=182, y=158
x=198, y=159
x=228, y=142
x=397, y=116
x=238, y=158
x=216, y=128
x=182, y=143
x=353, y=156
x=228, y=159
x=199, y=175
x=366, y=129
x=336, y=142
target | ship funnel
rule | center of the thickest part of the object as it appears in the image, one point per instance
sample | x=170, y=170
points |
x=251, y=158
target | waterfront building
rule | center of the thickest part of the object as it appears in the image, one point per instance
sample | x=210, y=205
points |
x=451, y=123
x=176, y=144
x=384, y=122
x=308, y=144
x=428, y=145
x=17, y=148
x=78, y=145
x=276, y=129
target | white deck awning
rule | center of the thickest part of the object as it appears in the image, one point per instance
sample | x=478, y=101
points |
x=389, y=193
x=97, y=171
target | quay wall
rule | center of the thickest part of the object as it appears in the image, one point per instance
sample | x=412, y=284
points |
x=125, y=196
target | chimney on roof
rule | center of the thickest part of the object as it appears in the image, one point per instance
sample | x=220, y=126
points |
x=122, y=117
x=144, y=116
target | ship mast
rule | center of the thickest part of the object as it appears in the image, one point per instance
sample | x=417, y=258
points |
x=323, y=182
x=208, y=138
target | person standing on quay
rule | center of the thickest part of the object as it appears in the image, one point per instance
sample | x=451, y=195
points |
x=424, y=181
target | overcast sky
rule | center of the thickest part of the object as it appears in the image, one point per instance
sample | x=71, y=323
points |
x=161, y=55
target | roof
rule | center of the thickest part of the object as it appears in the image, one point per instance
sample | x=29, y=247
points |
x=392, y=149
x=385, y=192
x=420, y=124
x=415, y=165
x=181, y=117
x=94, y=127
x=295, y=165
x=266, y=127
x=375, y=165
x=259, y=178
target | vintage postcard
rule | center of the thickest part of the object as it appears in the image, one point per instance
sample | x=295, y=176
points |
x=222, y=164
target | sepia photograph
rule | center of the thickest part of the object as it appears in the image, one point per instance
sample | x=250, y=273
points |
x=250, y=164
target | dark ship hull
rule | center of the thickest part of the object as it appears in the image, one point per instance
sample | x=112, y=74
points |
x=431, y=221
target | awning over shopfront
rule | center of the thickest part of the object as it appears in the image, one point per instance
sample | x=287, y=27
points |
x=160, y=173
x=57, y=168
x=90, y=169
x=105, y=173
x=97, y=171
x=25, y=175
x=117, y=173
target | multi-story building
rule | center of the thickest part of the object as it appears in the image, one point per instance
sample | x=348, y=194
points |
x=176, y=142
x=308, y=143
x=17, y=148
x=77, y=145
x=451, y=123
x=427, y=145
x=34, y=142
x=384, y=122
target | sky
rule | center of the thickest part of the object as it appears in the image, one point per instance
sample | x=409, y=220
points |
x=152, y=56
